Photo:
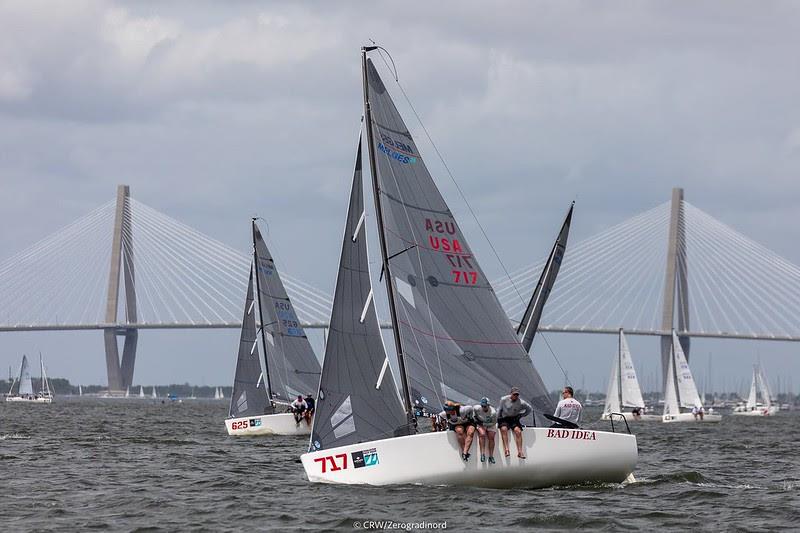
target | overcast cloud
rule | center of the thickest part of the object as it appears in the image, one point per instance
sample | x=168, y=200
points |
x=214, y=111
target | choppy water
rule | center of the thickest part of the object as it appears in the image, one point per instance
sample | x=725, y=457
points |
x=128, y=465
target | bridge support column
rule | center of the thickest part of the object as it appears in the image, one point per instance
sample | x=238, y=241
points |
x=120, y=376
x=675, y=284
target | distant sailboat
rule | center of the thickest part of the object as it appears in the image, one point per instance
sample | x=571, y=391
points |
x=453, y=341
x=25, y=393
x=80, y=390
x=221, y=394
x=127, y=392
x=681, y=390
x=141, y=391
x=758, y=387
x=623, y=387
x=286, y=366
x=153, y=394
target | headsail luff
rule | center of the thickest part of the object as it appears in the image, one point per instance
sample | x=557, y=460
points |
x=293, y=367
x=358, y=399
x=249, y=396
x=25, y=382
x=529, y=323
x=458, y=342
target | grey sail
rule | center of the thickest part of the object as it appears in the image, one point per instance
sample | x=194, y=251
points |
x=293, y=368
x=458, y=343
x=533, y=313
x=249, y=397
x=25, y=383
x=358, y=399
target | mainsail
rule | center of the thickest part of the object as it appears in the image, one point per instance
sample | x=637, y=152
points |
x=358, y=399
x=458, y=344
x=687, y=390
x=250, y=397
x=293, y=368
x=25, y=383
x=533, y=313
x=752, y=399
x=629, y=384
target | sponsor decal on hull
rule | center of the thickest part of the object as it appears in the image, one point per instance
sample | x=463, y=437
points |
x=359, y=459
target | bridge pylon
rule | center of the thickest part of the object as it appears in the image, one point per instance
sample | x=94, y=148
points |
x=120, y=375
x=676, y=284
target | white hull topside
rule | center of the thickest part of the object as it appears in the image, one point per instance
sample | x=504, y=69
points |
x=276, y=424
x=630, y=418
x=20, y=399
x=554, y=457
x=689, y=417
x=761, y=411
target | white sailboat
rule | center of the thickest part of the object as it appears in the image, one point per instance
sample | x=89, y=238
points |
x=681, y=390
x=758, y=387
x=623, y=387
x=127, y=392
x=141, y=391
x=25, y=393
x=453, y=342
x=80, y=390
x=268, y=380
x=153, y=393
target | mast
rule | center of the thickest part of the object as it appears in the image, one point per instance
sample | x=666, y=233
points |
x=384, y=252
x=619, y=367
x=261, y=315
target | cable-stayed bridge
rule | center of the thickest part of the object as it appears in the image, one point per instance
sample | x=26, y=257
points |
x=126, y=267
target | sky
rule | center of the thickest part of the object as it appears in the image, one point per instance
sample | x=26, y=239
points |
x=216, y=111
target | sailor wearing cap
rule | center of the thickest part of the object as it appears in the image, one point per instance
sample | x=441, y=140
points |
x=486, y=423
x=459, y=419
x=512, y=409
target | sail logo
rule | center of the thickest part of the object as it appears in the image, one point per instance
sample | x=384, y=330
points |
x=397, y=150
x=365, y=458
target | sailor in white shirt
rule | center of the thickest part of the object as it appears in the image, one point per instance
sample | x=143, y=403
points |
x=569, y=408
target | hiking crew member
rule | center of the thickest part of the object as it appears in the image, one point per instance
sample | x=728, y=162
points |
x=309, y=412
x=509, y=415
x=486, y=424
x=569, y=408
x=298, y=407
x=459, y=418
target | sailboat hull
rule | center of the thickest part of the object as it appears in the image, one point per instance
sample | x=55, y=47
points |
x=760, y=411
x=554, y=457
x=20, y=399
x=276, y=424
x=630, y=418
x=689, y=417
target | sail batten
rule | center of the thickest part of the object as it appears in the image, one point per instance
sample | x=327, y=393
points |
x=357, y=400
x=452, y=328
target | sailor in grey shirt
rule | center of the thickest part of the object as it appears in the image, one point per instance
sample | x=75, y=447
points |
x=511, y=410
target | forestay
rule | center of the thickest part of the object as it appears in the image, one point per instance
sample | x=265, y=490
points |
x=249, y=396
x=457, y=341
x=358, y=399
x=293, y=367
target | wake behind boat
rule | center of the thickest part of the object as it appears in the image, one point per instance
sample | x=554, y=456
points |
x=623, y=388
x=758, y=387
x=452, y=339
x=25, y=392
x=265, y=385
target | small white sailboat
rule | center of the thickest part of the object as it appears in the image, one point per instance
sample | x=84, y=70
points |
x=141, y=391
x=80, y=390
x=127, y=392
x=153, y=394
x=681, y=390
x=25, y=393
x=623, y=387
x=267, y=380
x=758, y=387
x=453, y=342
